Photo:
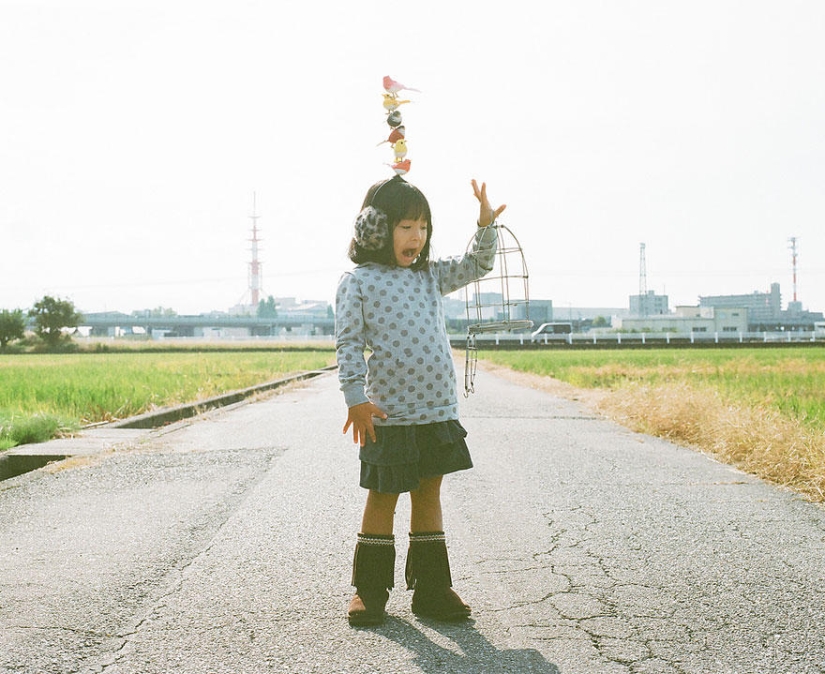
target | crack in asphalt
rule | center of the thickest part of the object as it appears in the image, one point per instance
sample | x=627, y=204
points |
x=606, y=597
x=173, y=580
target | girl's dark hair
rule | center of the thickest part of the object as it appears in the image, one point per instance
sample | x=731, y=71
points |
x=400, y=201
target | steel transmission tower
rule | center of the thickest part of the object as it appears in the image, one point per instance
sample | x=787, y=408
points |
x=255, y=265
x=793, y=255
x=642, y=281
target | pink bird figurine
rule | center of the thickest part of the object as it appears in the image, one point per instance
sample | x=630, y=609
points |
x=401, y=167
x=393, y=87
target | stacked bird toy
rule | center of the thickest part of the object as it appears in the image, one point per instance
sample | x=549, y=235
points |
x=397, y=138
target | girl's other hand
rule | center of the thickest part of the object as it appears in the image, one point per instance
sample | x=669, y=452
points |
x=487, y=214
x=360, y=418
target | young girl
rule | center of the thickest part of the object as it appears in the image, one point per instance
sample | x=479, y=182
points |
x=402, y=401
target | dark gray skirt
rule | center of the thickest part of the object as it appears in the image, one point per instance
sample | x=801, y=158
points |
x=403, y=455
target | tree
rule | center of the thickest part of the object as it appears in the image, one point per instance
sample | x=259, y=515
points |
x=51, y=316
x=267, y=308
x=600, y=322
x=12, y=326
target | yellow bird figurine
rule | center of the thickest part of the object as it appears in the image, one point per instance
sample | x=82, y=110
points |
x=391, y=102
x=399, y=147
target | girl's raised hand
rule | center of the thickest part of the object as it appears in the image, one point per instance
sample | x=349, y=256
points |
x=487, y=214
x=360, y=418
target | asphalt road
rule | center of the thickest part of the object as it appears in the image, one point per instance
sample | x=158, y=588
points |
x=223, y=545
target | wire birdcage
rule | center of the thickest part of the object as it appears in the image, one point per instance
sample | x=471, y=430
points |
x=498, y=302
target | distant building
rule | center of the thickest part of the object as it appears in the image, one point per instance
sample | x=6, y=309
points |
x=574, y=314
x=540, y=311
x=650, y=304
x=289, y=306
x=762, y=307
x=686, y=320
x=454, y=308
x=765, y=310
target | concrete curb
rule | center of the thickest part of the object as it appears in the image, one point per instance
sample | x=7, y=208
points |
x=168, y=415
x=99, y=437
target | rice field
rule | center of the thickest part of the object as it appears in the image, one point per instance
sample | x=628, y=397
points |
x=42, y=395
x=791, y=381
x=762, y=410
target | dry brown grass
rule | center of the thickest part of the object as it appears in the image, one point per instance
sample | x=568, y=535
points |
x=760, y=441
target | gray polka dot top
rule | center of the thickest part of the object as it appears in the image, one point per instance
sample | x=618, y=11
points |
x=397, y=314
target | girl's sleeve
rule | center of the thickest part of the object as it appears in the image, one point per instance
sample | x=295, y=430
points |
x=456, y=272
x=350, y=340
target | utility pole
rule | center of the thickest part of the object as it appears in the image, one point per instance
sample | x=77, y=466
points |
x=793, y=255
x=642, y=281
x=254, y=265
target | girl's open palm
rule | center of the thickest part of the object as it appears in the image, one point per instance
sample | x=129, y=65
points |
x=486, y=214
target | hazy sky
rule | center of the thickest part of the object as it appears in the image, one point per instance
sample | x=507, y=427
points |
x=134, y=134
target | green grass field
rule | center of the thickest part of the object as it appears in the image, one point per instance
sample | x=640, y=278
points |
x=41, y=395
x=790, y=380
x=762, y=410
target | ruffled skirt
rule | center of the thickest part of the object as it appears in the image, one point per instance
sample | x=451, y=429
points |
x=403, y=455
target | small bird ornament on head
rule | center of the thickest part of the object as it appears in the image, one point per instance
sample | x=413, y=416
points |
x=397, y=137
x=401, y=167
x=399, y=147
x=394, y=119
x=393, y=87
x=391, y=102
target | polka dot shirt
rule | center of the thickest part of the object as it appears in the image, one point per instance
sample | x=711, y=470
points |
x=397, y=314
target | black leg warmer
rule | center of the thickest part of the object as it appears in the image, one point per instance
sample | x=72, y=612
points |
x=373, y=570
x=428, y=573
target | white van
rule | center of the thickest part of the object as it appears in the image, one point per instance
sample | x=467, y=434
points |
x=553, y=329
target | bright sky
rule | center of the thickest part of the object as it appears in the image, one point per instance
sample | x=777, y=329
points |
x=135, y=132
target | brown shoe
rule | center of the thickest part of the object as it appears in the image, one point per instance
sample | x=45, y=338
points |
x=428, y=573
x=442, y=605
x=372, y=612
x=372, y=575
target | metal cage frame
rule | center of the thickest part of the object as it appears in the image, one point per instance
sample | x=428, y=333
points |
x=493, y=308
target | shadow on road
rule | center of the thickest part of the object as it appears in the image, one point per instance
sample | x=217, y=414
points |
x=474, y=654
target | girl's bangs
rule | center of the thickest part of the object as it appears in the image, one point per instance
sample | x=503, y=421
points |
x=414, y=206
x=417, y=210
